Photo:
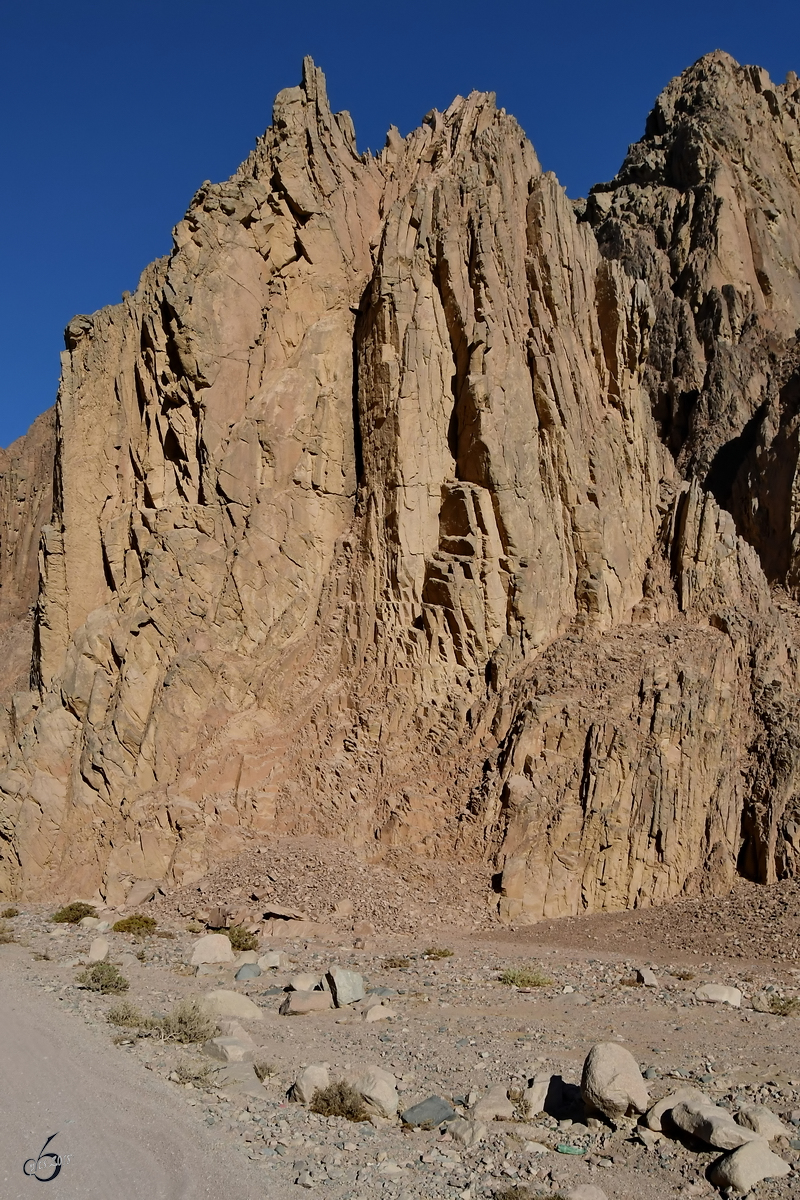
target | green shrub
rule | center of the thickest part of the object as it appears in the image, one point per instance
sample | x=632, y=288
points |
x=188, y=1022
x=71, y=914
x=525, y=977
x=103, y=977
x=339, y=1100
x=136, y=923
x=241, y=938
x=8, y=913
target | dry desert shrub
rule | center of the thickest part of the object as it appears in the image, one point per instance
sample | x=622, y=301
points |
x=393, y=963
x=265, y=1070
x=103, y=977
x=198, y=1074
x=784, y=1006
x=437, y=952
x=8, y=913
x=339, y=1100
x=525, y=977
x=71, y=914
x=136, y=923
x=188, y=1022
x=6, y=934
x=241, y=938
x=128, y=1016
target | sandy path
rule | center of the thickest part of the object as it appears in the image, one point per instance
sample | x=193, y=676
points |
x=120, y=1126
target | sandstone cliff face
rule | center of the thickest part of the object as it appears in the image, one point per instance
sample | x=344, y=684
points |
x=368, y=522
x=26, y=503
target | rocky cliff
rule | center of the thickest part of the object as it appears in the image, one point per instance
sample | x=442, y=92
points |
x=409, y=503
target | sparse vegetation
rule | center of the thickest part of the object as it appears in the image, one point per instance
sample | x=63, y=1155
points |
x=103, y=977
x=339, y=1100
x=188, y=1022
x=8, y=913
x=6, y=934
x=198, y=1074
x=520, y=1192
x=136, y=923
x=393, y=963
x=683, y=974
x=164, y=933
x=630, y=981
x=194, y=927
x=71, y=914
x=128, y=1016
x=525, y=977
x=265, y=1070
x=784, y=1006
x=241, y=938
x=436, y=952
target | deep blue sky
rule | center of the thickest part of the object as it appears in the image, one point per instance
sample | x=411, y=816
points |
x=113, y=112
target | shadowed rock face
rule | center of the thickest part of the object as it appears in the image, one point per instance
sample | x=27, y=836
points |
x=381, y=512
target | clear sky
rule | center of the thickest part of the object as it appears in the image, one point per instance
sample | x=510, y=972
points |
x=113, y=112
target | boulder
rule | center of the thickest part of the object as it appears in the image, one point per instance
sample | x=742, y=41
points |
x=223, y=1003
x=228, y=1049
x=297, y=1004
x=544, y=1089
x=466, y=1133
x=311, y=1079
x=248, y=971
x=273, y=960
x=717, y=993
x=586, y=1191
x=212, y=948
x=98, y=951
x=89, y=922
x=429, y=1113
x=612, y=1082
x=347, y=987
x=239, y=1078
x=663, y=1107
x=494, y=1106
x=304, y=982
x=763, y=1121
x=142, y=891
x=710, y=1124
x=647, y=977
x=747, y=1166
x=232, y=1029
x=377, y=1088
x=381, y=1012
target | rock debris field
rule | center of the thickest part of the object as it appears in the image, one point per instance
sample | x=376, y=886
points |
x=616, y=1056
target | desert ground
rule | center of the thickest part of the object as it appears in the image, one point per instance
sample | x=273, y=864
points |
x=142, y=1116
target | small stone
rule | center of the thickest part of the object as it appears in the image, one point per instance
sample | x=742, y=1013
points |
x=495, y=1105
x=232, y=1029
x=89, y=922
x=586, y=1191
x=544, y=1090
x=248, y=971
x=98, y=951
x=305, y=1180
x=747, y=1166
x=297, y=1004
x=429, y=1113
x=536, y=1148
x=347, y=987
x=212, y=948
x=647, y=977
x=717, y=993
x=612, y=1082
x=761, y=1002
x=311, y=1079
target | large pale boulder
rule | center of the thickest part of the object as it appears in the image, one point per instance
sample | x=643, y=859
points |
x=223, y=1003
x=98, y=951
x=297, y=1004
x=347, y=987
x=377, y=1088
x=494, y=1106
x=763, y=1121
x=747, y=1166
x=663, y=1107
x=212, y=948
x=717, y=993
x=612, y=1082
x=311, y=1079
x=711, y=1124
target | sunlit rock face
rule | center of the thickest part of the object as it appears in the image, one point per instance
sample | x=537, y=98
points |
x=410, y=503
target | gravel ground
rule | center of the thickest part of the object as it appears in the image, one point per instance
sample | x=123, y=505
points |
x=459, y=1029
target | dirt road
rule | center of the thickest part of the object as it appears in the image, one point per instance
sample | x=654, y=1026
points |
x=118, y=1132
